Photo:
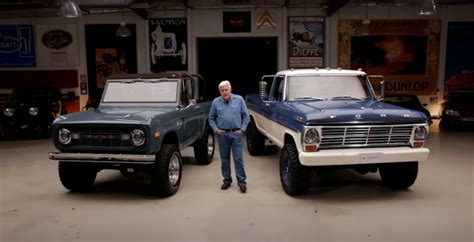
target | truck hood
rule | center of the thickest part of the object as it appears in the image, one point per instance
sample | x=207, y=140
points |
x=365, y=111
x=113, y=115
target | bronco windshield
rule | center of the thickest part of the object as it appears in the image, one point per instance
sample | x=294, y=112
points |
x=140, y=90
x=329, y=87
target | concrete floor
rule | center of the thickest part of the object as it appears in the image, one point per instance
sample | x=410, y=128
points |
x=341, y=205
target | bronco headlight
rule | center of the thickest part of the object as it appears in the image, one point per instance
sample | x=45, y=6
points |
x=9, y=112
x=33, y=111
x=64, y=136
x=138, y=137
x=421, y=133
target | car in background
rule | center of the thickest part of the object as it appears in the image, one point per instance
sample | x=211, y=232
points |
x=408, y=101
x=458, y=108
x=31, y=111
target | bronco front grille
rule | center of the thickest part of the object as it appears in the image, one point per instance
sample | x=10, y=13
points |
x=102, y=136
x=365, y=136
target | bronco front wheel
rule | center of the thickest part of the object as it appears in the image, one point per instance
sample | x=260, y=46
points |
x=76, y=177
x=167, y=171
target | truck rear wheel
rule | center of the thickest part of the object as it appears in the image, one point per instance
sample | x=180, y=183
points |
x=76, y=177
x=295, y=178
x=399, y=175
x=167, y=171
x=255, y=140
x=204, y=148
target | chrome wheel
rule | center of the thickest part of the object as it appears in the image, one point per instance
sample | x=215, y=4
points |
x=210, y=145
x=173, y=169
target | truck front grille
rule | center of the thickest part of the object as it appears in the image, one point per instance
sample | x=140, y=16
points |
x=102, y=136
x=365, y=136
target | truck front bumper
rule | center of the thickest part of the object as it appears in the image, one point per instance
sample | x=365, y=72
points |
x=103, y=158
x=363, y=156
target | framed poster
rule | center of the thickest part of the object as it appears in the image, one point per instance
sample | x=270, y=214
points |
x=306, y=42
x=168, y=44
x=17, y=46
x=459, y=70
x=405, y=52
x=109, y=61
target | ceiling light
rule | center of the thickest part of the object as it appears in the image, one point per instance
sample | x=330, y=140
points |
x=70, y=10
x=427, y=7
x=123, y=30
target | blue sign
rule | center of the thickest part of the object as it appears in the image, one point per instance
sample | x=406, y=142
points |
x=17, y=46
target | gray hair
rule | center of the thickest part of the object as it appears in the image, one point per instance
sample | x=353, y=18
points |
x=224, y=83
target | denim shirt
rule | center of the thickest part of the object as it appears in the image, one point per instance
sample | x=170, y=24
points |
x=229, y=115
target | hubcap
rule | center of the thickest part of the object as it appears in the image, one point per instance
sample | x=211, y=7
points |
x=173, y=169
x=210, y=145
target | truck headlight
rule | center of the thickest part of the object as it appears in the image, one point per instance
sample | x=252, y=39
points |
x=64, y=136
x=311, y=136
x=9, y=112
x=421, y=133
x=311, y=139
x=138, y=137
x=33, y=111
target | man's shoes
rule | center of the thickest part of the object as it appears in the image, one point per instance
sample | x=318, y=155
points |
x=243, y=188
x=225, y=186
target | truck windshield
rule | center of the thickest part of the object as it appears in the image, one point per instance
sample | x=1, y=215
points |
x=327, y=87
x=141, y=91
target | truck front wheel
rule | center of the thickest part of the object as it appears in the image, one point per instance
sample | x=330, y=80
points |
x=167, y=171
x=255, y=140
x=76, y=177
x=399, y=175
x=295, y=178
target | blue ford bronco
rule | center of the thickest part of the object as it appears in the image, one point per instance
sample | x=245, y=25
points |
x=331, y=118
x=141, y=124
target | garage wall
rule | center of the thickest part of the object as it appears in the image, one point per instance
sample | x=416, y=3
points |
x=208, y=23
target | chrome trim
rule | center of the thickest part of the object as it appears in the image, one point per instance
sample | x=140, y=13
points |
x=103, y=158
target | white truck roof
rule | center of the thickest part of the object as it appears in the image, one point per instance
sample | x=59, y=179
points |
x=316, y=71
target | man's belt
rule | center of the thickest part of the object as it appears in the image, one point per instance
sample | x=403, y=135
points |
x=230, y=130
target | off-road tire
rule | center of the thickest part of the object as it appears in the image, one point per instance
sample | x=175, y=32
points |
x=204, y=147
x=295, y=178
x=399, y=175
x=255, y=140
x=76, y=177
x=168, y=162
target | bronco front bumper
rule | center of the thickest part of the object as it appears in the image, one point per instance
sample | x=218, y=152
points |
x=103, y=158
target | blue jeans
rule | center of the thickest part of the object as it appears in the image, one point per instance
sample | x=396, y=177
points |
x=228, y=142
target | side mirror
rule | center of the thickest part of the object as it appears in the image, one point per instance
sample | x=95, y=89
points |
x=382, y=90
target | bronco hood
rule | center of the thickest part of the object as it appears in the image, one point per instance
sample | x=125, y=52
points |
x=365, y=111
x=111, y=115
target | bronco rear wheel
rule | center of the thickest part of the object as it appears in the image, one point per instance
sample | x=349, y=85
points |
x=76, y=177
x=295, y=178
x=167, y=171
x=204, y=148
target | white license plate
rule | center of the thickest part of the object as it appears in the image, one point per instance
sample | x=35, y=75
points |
x=370, y=158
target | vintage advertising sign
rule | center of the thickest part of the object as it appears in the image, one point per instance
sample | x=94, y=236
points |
x=459, y=71
x=405, y=52
x=306, y=42
x=168, y=44
x=17, y=46
x=56, y=39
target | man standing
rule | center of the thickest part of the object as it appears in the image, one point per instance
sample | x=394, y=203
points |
x=229, y=119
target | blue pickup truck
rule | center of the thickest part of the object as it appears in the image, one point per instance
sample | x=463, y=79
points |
x=331, y=118
x=141, y=124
